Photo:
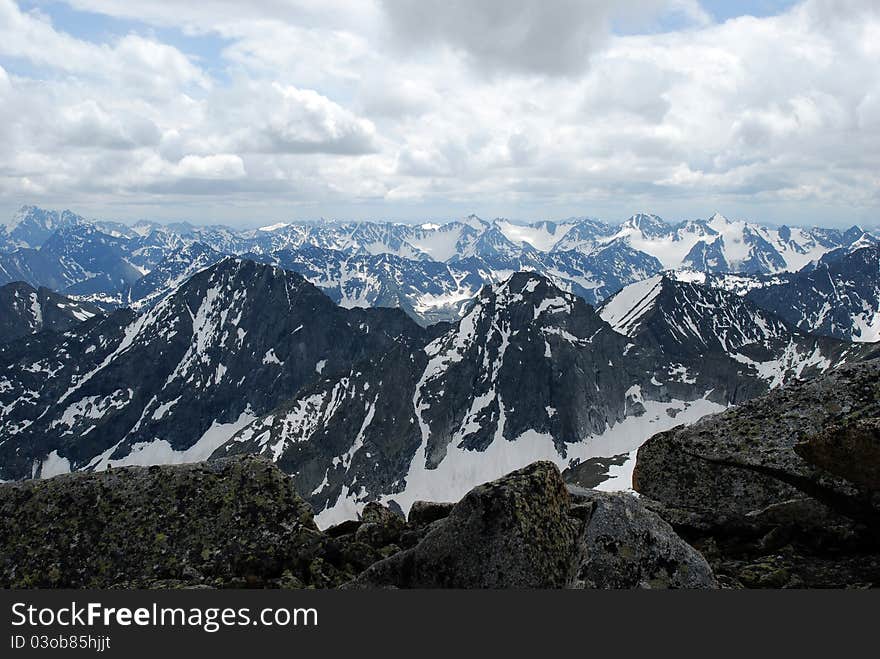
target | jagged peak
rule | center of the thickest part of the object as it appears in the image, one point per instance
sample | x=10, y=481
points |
x=645, y=220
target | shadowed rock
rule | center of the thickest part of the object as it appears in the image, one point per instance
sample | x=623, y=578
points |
x=514, y=532
x=627, y=546
x=851, y=451
x=229, y=522
x=781, y=491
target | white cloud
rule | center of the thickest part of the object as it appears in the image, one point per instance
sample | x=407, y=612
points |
x=296, y=120
x=130, y=61
x=415, y=108
x=218, y=166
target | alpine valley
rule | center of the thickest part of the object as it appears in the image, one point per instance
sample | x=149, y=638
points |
x=391, y=363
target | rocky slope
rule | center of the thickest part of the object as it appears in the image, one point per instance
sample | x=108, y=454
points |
x=25, y=310
x=782, y=490
x=839, y=297
x=239, y=522
x=531, y=372
x=232, y=343
x=707, y=327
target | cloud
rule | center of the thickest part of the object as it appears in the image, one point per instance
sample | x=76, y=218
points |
x=523, y=36
x=297, y=120
x=130, y=61
x=403, y=109
x=506, y=35
x=88, y=124
x=218, y=166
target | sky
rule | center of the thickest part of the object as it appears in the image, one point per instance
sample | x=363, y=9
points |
x=408, y=110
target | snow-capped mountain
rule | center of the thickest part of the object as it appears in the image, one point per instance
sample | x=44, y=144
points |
x=365, y=404
x=584, y=255
x=172, y=271
x=837, y=296
x=708, y=328
x=530, y=372
x=171, y=384
x=429, y=291
x=722, y=245
x=25, y=310
x=32, y=226
x=432, y=291
x=78, y=260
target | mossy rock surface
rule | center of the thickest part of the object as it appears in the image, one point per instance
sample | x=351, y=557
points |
x=223, y=523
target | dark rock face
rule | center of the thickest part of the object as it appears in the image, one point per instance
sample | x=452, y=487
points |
x=422, y=513
x=716, y=332
x=230, y=522
x=781, y=491
x=235, y=340
x=527, y=530
x=849, y=450
x=625, y=545
x=25, y=310
x=838, y=297
x=511, y=533
x=238, y=522
x=526, y=357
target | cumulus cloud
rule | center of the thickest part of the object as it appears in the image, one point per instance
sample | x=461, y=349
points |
x=528, y=36
x=303, y=121
x=217, y=166
x=130, y=60
x=409, y=108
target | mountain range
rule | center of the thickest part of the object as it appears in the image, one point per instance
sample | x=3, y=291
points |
x=370, y=371
x=430, y=270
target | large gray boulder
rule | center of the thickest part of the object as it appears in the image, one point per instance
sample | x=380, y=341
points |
x=759, y=454
x=624, y=545
x=231, y=522
x=526, y=530
x=781, y=491
x=514, y=532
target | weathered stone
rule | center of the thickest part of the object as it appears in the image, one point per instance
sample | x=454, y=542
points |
x=422, y=513
x=851, y=451
x=511, y=533
x=380, y=526
x=627, y=546
x=235, y=521
x=780, y=491
x=744, y=459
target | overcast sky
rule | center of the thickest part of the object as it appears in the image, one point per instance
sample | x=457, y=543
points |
x=244, y=112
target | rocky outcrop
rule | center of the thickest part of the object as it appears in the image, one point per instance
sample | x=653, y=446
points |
x=781, y=491
x=238, y=522
x=850, y=450
x=26, y=310
x=511, y=533
x=624, y=545
x=224, y=523
x=745, y=459
x=528, y=530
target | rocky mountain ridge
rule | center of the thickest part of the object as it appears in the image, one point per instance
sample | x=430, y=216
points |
x=383, y=263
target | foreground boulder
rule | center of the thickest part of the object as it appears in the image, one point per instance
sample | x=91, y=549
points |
x=514, y=532
x=744, y=459
x=238, y=522
x=527, y=530
x=624, y=545
x=235, y=522
x=781, y=491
